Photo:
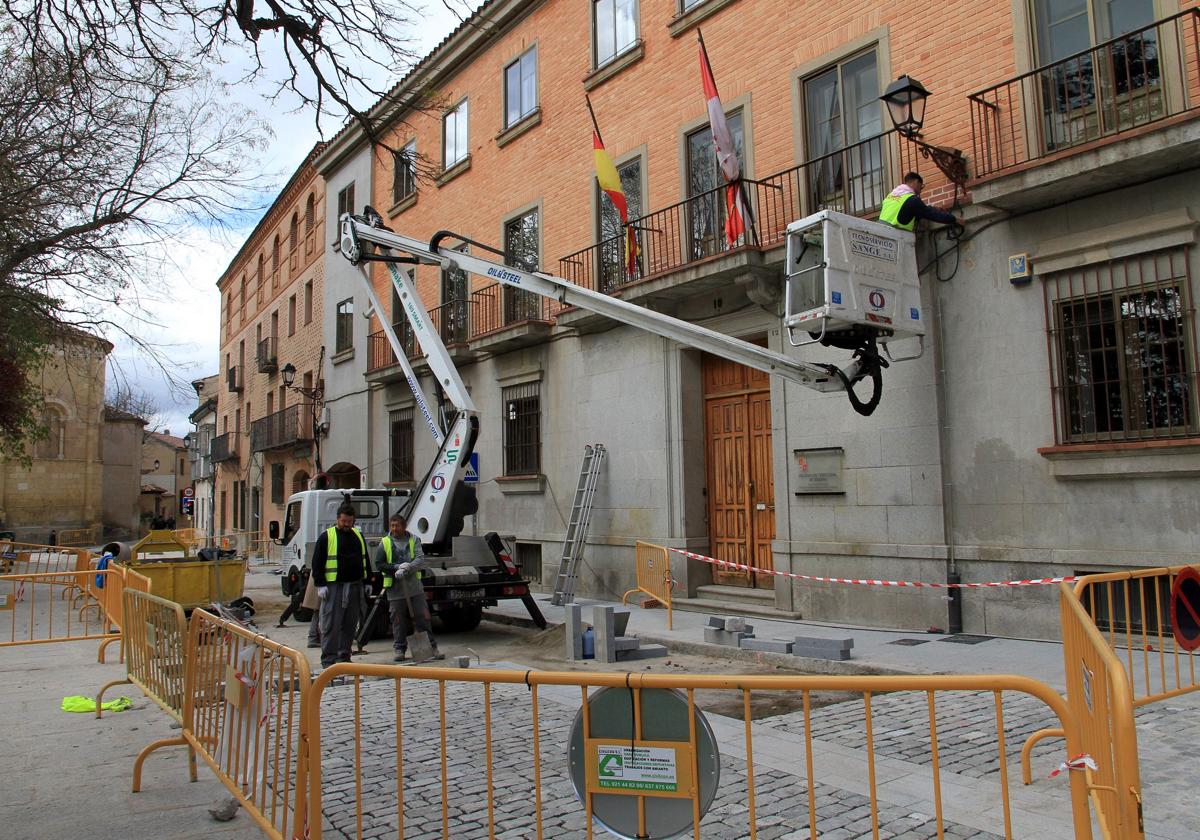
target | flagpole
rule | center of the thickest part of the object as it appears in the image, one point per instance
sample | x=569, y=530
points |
x=595, y=125
x=740, y=183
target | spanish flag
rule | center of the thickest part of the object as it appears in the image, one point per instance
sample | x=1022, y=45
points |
x=610, y=183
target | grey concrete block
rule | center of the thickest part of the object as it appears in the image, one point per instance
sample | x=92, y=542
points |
x=574, y=632
x=462, y=661
x=620, y=621
x=820, y=653
x=768, y=645
x=643, y=652
x=735, y=623
x=717, y=622
x=819, y=642
x=603, y=626
x=627, y=643
x=723, y=637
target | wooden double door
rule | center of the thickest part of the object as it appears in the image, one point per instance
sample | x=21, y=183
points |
x=741, y=483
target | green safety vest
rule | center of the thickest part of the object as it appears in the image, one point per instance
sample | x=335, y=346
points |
x=331, y=561
x=889, y=213
x=387, y=551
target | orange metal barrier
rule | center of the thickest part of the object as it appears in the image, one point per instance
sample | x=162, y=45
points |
x=45, y=607
x=80, y=536
x=653, y=578
x=1101, y=702
x=244, y=698
x=33, y=558
x=364, y=767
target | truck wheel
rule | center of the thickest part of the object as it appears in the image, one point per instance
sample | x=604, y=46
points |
x=461, y=619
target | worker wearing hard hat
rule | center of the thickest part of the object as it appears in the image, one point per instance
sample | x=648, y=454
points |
x=903, y=206
x=400, y=558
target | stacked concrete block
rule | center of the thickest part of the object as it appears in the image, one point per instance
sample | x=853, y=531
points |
x=815, y=647
x=574, y=632
x=727, y=630
x=641, y=652
x=767, y=645
x=604, y=627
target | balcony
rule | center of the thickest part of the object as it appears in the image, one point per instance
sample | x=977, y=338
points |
x=1118, y=113
x=683, y=250
x=452, y=322
x=503, y=318
x=233, y=377
x=201, y=468
x=381, y=360
x=268, y=355
x=288, y=427
x=225, y=448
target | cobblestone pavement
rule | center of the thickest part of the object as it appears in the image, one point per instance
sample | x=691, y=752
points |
x=781, y=797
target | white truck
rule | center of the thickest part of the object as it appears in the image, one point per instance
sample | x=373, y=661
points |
x=851, y=284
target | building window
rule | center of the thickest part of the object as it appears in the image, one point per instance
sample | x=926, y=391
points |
x=292, y=315
x=293, y=232
x=404, y=174
x=53, y=445
x=308, y=302
x=275, y=257
x=456, y=296
x=277, y=484
x=520, y=88
x=522, y=429
x=401, y=435
x=346, y=200
x=521, y=240
x=843, y=121
x=262, y=279
x=706, y=209
x=611, y=234
x=615, y=24
x=454, y=135
x=309, y=214
x=1123, y=349
x=344, y=327
x=690, y=4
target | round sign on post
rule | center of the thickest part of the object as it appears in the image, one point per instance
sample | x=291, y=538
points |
x=1185, y=608
x=618, y=769
x=188, y=492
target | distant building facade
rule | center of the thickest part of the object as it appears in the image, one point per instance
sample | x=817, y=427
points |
x=165, y=474
x=122, y=483
x=204, y=423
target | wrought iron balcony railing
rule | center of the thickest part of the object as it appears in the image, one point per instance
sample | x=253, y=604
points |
x=233, y=377
x=1124, y=84
x=225, y=447
x=379, y=349
x=287, y=427
x=495, y=307
x=268, y=356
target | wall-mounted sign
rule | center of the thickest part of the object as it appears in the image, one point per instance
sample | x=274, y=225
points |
x=818, y=471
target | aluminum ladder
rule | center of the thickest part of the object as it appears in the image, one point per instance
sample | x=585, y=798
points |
x=577, y=526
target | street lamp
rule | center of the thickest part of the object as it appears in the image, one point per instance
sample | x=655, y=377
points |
x=905, y=99
x=289, y=375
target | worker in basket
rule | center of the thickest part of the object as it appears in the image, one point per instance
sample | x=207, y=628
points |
x=903, y=206
x=400, y=558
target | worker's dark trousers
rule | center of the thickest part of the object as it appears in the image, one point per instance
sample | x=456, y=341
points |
x=339, y=618
x=409, y=615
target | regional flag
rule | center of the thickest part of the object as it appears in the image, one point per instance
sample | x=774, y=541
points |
x=735, y=207
x=610, y=183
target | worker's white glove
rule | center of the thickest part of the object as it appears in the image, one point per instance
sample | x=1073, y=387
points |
x=403, y=569
x=322, y=592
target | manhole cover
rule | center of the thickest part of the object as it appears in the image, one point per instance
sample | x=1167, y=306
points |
x=909, y=642
x=965, y=639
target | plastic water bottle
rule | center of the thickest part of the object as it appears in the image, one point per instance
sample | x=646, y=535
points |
x=589, y=644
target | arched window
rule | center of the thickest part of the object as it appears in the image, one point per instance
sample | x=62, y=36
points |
x=260, y=278
x=299, y=481
x=275, y=254
x=308, y=214
x=293, y=232
x=52, y=446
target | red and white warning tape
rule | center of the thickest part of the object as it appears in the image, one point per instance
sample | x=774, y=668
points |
x=1079, y=762
x=742, y=567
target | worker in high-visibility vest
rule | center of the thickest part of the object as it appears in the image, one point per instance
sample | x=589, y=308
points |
x=400, y=559
x=903, y=206
x=339, y=572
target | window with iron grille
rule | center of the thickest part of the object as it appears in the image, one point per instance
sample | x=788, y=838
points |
x=1123, y=350
x=456, y=294
x=401, y=456
x=522, y=429
x=521, y=250
x=404, y=176
x=277, y=484
x=344, y=327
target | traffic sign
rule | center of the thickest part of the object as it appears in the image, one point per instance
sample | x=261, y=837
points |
x=1185, y=608
x=472, y=474
x=188, y=492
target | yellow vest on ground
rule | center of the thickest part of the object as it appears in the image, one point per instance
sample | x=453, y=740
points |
x=331, y=562
x=889, y=213
x=387, y=551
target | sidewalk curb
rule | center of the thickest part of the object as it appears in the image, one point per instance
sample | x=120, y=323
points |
x=737, y=655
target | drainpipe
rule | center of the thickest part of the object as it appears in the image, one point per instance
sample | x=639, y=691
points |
x=954, y=603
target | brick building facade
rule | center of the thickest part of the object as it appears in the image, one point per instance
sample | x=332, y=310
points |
x=1050, y=427
x=271, y=309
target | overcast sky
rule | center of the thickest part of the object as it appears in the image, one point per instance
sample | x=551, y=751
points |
x=185, y=314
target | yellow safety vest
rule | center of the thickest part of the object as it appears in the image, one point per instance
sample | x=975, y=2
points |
x=889, y=213
x=331, y=562
x=387, y=552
